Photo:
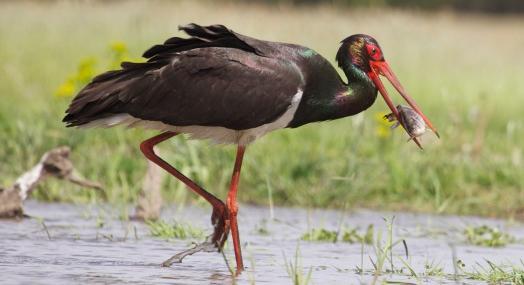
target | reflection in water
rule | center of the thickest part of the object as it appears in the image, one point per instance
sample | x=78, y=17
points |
x=76, y=247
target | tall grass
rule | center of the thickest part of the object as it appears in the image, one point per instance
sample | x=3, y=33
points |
x=464, y=71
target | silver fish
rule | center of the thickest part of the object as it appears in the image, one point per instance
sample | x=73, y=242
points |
x=411, y=120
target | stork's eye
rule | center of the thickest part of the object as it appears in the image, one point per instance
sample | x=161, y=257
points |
x=374, y=52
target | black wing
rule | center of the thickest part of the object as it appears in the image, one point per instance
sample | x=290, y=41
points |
x=214, y=78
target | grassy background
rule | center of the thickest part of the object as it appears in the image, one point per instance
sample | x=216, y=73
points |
x=465, y=71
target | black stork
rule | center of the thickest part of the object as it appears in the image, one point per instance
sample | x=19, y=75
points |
x=230, y=88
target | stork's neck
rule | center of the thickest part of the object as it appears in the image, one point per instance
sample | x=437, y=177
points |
x=359, y=94
x=328, y=97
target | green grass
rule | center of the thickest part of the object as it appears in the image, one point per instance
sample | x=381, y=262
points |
x=463, y=71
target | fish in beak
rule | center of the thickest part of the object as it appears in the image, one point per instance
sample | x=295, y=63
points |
x=381, y=67
x=415, y=125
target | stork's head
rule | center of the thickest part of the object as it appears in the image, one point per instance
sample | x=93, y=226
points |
x=363, y=54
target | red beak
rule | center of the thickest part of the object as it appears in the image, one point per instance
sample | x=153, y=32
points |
x=382, y=68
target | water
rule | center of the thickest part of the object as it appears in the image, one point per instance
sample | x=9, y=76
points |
x=91, y=245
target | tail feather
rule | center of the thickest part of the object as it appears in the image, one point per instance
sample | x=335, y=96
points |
x=100, y=98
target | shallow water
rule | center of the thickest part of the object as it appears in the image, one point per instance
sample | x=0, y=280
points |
x=78, y=249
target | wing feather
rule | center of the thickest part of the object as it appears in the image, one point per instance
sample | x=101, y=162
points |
x=214, y=78
x=207, y=87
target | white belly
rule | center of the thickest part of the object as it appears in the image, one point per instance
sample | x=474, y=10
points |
x=216, y=134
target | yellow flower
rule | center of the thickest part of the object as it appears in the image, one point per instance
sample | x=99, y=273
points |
x=382, y=128
x=86, y=70
x=118, y=47
x=119, y=53
x=66, y=89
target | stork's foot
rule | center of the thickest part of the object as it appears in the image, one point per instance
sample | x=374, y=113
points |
x=213, y=243
x=221, y=225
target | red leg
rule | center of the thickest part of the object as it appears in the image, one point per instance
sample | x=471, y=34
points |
x=219, y=216
x=232, y=207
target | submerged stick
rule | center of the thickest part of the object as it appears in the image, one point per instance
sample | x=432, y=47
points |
x=54, y=163
x=206, y=246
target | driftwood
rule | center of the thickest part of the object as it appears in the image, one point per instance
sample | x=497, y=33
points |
x=54, y=163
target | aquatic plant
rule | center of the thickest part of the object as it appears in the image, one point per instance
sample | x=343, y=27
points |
x=431, y=268
x=383, y=251
x=41, y=221
x=295, y=271
x=261, y=228
x=353, y=236
x=487, y=236
x=174, y=230
x=349, y=235
x=320, y=235
x=498, y=274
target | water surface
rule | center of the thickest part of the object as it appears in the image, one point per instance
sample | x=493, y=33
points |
x=92, y=245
